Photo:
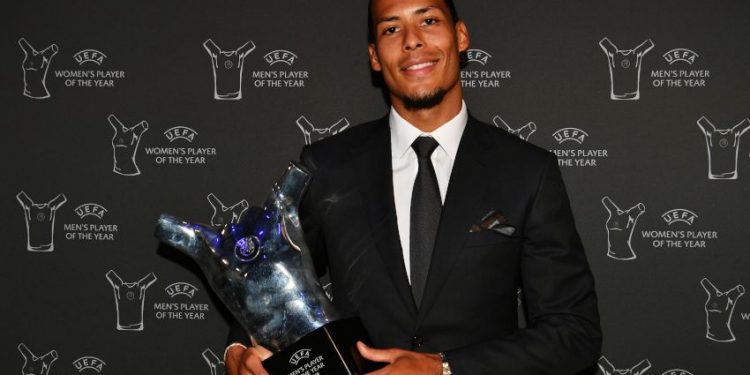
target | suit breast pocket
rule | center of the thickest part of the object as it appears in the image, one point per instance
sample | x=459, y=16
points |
x=492, y=239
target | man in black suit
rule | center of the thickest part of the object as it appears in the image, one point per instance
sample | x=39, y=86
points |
x=429, y=221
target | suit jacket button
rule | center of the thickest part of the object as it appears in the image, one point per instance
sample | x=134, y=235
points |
x=417, y=341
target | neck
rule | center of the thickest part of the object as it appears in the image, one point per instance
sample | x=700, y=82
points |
x=429, y=119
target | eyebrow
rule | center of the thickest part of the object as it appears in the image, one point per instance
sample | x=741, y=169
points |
x=419, y=11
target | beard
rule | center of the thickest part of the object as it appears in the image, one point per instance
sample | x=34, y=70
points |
x=424, y=101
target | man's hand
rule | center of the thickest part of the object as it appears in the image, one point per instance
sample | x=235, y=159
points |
x=402, y=361
x=246, y=361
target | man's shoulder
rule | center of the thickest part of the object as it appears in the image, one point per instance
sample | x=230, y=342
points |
x=336, y=146
x=502, y=141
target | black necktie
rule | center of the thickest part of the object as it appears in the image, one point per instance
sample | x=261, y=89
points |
x=425, y=216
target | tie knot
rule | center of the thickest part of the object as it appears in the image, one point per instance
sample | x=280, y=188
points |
x=424, y=146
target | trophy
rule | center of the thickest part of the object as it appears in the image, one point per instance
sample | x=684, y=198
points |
x=262, y=270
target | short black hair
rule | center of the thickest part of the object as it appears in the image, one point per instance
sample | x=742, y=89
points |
x=371, y=22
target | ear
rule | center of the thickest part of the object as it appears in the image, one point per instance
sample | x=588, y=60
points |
x=462, y=36
x=374, y=61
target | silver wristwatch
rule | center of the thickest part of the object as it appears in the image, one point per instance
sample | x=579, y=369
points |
x=446, y=366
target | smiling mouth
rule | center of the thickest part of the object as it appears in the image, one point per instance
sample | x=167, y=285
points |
x=420, y=66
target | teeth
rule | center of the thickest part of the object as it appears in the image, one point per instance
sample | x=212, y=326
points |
x=420, y=66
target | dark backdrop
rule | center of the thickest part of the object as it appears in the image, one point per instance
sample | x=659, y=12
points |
x=532, y=61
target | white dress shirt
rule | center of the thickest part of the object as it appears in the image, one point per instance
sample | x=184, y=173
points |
x=405, y=165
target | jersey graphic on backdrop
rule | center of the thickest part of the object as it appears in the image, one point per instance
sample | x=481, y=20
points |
x=40, y=221
x=129, y=300
x=35, y=65
x=36, y=365
x=625, y=69
x=313, y=134
x=620, y=226
x=609, y=369
x=227, y=68
x=719, y=310
x=224, y=214
x=214, y=363
x=125, y=145
x=523, y=132
x=723, y=148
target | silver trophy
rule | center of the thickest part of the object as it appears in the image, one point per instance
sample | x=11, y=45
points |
x=262, y=270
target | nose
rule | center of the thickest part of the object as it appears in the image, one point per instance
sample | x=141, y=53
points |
x=412, y=39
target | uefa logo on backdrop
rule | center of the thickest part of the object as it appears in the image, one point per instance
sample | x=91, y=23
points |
x=91, y=226
x=181, y=289
x=676, y=371
x=524, y=132
x=181, y=149
x=280, y=56
x=570, y=135
x=679, y=215
x=478, y=56
x=313, y=133
x=479, y=72
x=180, y=305
x=90, y=210
x=681, y=231
x=88, y=72
x=625, y=68
x=89, y=363
x=574, y=150
x=180, y=132
x=680, y=55
x=89, y=56
x=679, y=71
x=279, y=74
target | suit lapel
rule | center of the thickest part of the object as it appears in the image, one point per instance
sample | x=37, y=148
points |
x=374, y=170
x=462, y=207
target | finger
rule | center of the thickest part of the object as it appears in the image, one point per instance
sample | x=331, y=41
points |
x=376, y=355
x=233, y=361
x=251, y=363
x=261, y=350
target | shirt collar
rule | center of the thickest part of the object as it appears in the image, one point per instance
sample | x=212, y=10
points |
x=448, y=135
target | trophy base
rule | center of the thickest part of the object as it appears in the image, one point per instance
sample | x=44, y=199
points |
x=329, y=350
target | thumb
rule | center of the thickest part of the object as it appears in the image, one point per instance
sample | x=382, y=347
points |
x=375, y=355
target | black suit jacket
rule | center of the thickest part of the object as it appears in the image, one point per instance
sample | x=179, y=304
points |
x=469, y=307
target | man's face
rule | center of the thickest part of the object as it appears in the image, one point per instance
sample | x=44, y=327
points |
x=417, y=48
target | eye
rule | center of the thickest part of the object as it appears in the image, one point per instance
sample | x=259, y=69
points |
x=430, y=21
x=389, y=30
